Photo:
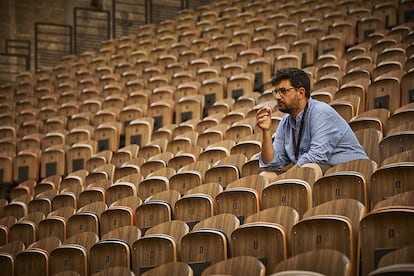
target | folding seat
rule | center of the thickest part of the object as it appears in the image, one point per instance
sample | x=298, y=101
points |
x=349, y=208
x=6, y=169
x=400, y=119
x=73, y=254
x=55, y=224
x=340, y=184
x=155, y=162
x=216, y=151
x=280, y=192
x=234, y=68
x=223, y=106
x=82, y=221
x=32, y=260
x=95, y=207
x=387, y=11
x=400, y=199
x=368, y=25
x=26, y=165
x=395, y=142
x=116, y=216
x=108, y=115
x=160, y=245
x=241, y=265
x=286, y=60
x=307, y=49
x=184, y=157
x=315, y=261
x=24, y=231
x=239, y=130
x=64, y=199
x=109, y=253
x=235, y=115
x=185, y=134
x=132, y=202
x=190, y=107
x=373, y=118
x=241, y=197
x=53, y=138
x=128, y=233
x=151, y=213
x=370, y=139
x=194, y=207
x=387, y=69
x=119, y=190
x=249, y=100
x=130, y=169
x=378, y=234
x=179, y=268
x=226, y=170
x=102, y=176
x=53, y=161
x=211, y=236
x=78, y=154
x=407, y=93
x=99, y=159
x=139, y=131
x=162, y=112
x=390, y=180
x=402, y=255
x=16, y=209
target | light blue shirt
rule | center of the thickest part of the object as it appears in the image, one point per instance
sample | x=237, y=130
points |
x=327, y=139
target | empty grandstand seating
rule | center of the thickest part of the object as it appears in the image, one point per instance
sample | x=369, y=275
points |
x=142, y=156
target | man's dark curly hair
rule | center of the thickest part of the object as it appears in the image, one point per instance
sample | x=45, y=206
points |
x=298, y=78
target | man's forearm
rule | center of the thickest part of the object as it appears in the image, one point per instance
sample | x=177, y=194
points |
x=267, y=147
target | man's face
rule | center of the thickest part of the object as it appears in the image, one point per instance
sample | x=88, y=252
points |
x=287, y=97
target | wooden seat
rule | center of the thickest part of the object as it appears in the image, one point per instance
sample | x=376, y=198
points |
x=252, y=239
x=323, y=261
x=119, y=190
x=175, y=268
x=83, y=222
x=160, y=245
x=370, y=139
x=226, y=170
x=128, y=233
x=384, y=92
x=377, y=232
x=213, y=245
x=139, y=131
x=151, y=213
x=242, y=265
x=373, y=118
x=390, y=180
x=109, y=253
x=116, y=216
x=26, y=165
x=24, y=231
x=296, y=193
x=400, y=199
x=241, y=197
x=193, y=208
x=331, y=186
x=396, y=142
x=189, y=176
x=32, y=260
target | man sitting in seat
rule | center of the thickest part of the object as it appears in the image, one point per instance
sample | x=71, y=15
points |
x=311, y=133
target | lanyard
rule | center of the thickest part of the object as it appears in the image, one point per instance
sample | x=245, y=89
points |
x=302, y=124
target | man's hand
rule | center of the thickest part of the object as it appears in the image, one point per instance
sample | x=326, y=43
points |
x=264, y=118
